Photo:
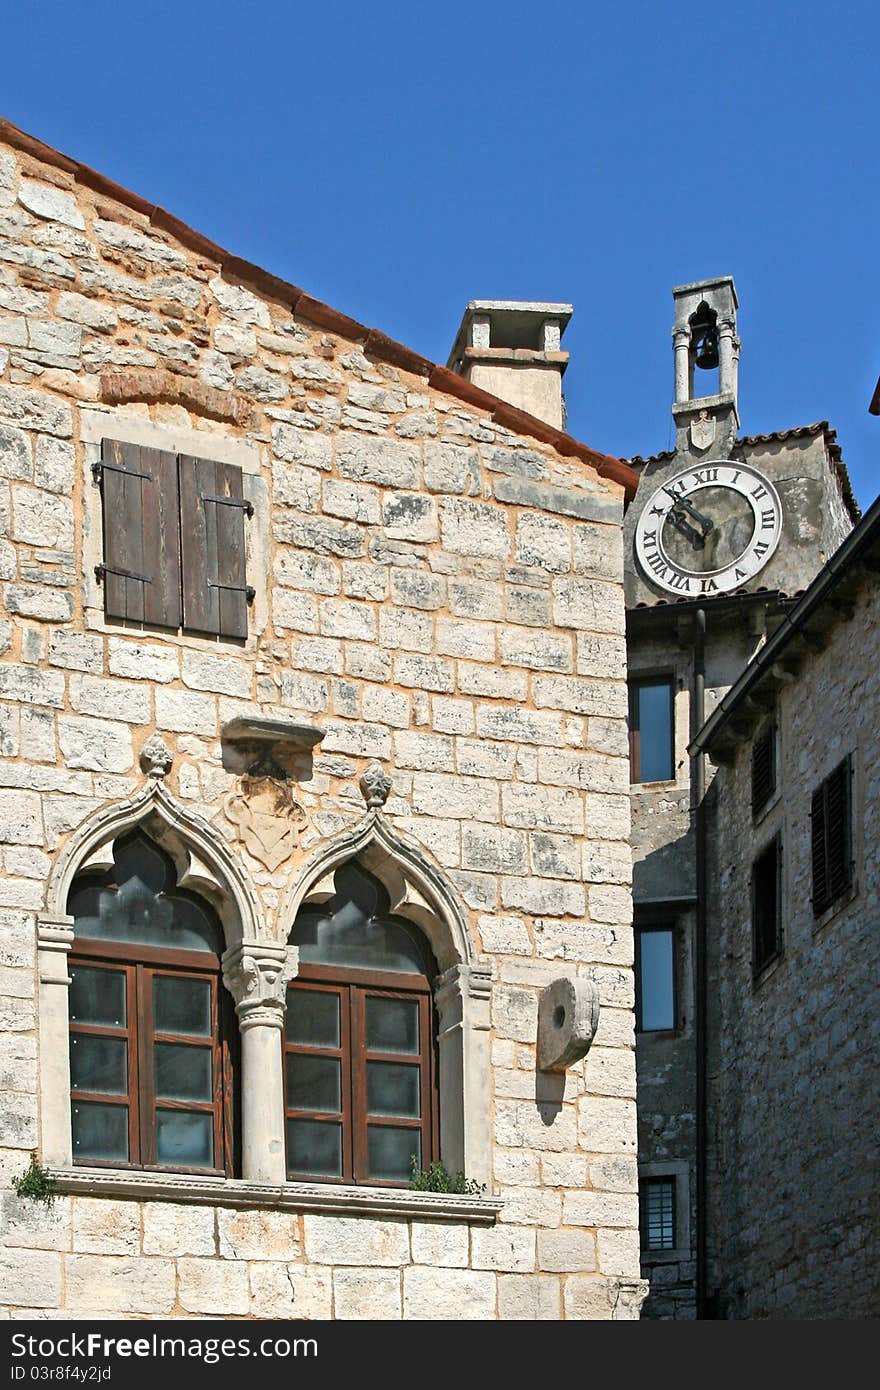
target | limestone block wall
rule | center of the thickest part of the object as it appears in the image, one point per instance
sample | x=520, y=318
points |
x=433, y=590
x=794, y=1229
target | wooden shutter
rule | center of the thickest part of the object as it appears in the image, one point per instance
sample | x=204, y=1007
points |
x=763, y=769
x=831, y=834
x=212, y=522
x=141, y=568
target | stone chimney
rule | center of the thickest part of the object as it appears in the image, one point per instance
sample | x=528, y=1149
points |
x=512, y=348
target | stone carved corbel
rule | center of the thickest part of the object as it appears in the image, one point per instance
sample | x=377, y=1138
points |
x=568, y=1016
x=375, y=785
x=156, y=758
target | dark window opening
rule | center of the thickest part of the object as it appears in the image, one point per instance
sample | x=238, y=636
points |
x=766, y=916
x=651, y=730
x=657, y=1202
x=655, y=979
x=831, y=836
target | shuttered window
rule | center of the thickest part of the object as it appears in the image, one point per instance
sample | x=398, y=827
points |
x=174, y=540
x=831, y=826
x=766, y=914
x=763, y=769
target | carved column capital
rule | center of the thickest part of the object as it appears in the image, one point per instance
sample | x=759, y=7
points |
x=256, y=975
x=54, y=941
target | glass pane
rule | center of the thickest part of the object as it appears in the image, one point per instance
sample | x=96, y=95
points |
x=658, y=1214
x=136, y=902
x=99, y=1064
x=312, y=1017
x=181, y=1006
x=393, y=1089
x=656, y=980
x=99, y=1131
x=183, y=1073
x=354, y=928
x=313, y=1083
x=183, y=1139
x=314, y=1147
x=97, y=996
x=392, y=1024
x=655, y=731
x=390, y=1152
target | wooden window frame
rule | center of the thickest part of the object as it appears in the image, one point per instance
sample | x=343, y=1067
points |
x=634, y=686
x=140, y=965
x=352, y=987
x=761, y=963
x=656, y=925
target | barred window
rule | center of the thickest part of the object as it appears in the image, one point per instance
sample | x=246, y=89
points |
x=831, y=827
x=657, y=1202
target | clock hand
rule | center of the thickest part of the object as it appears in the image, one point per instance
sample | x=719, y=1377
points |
x=689, y=532
x=702, y=520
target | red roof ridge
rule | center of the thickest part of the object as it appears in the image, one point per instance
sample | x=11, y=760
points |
x=372, y=340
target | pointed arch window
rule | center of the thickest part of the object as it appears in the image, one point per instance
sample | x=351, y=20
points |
x=151, y=1030
x=360, y=1041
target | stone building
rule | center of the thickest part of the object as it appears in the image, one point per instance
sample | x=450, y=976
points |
x=724, y=533
x=794, y=894
x=314, y=800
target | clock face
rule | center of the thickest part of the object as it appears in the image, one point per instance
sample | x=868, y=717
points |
x=709, y=529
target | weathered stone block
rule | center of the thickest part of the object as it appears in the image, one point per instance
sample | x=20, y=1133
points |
x=540, y=651
x=96, y=744
x=110, y=699
x=30, y=1279
x=174, y=1230
x=347, y=1240
x=503, y=1247
x=472, y=528
x=219, y=1287
x=439, y=1244
x=113, y=1284
x=257, y=1235
x=391, y=463
x=290, y=1291
x=104, y=1227
x=138, y=660
x=182, y=711
x=424, y=673
x=529, y=1298
x=366, y=1294
x=451, y=1294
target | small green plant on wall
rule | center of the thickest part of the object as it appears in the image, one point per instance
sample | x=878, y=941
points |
x=437, y=1178
x=35, y=1183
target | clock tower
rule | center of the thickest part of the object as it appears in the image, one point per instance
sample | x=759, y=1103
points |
x=706, y=350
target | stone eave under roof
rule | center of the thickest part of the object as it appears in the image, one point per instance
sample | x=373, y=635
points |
x=833, y=449
x=800, y=632
x=372, y=341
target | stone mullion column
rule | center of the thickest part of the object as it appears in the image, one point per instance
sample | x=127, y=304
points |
x=728, y=353
x=54, y=941
x=682, y=340
x=462, y=999
x=257, y=976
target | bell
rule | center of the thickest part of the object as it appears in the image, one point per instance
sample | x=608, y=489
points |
x=706, y=346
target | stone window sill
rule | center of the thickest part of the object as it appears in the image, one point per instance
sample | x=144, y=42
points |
x=292, y=1196
x=665, y=1257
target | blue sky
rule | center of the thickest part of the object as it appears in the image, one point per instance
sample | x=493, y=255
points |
x=398, y=159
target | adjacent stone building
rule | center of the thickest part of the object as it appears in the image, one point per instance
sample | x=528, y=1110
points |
x=313, y=795
x=793, y=1219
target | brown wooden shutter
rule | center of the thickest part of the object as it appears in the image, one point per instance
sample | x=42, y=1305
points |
x=141, y=568
x=212, y=522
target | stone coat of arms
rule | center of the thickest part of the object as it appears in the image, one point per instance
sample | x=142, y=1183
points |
x=268, y=819
x=703, y=431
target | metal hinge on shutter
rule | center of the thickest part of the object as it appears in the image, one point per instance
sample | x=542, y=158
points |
x=248, y=590
x=101, y=570
x=99, y=467
x=246, y=507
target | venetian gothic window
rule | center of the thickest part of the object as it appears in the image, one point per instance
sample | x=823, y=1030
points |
x=360, y=1041
x=152, y=1034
